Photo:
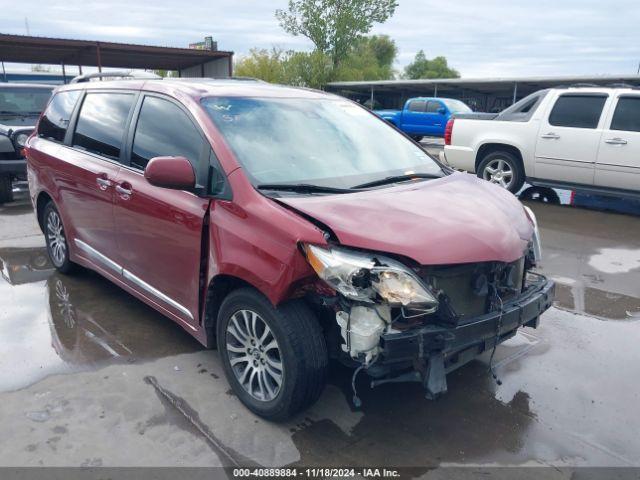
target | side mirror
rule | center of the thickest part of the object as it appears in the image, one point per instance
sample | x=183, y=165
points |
x=442, y=110
x=170, y=172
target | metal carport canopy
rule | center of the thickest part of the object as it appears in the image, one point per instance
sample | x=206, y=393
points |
x=43, y=50
x=480, y=85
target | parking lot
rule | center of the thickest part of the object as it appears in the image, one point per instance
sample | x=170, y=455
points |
x=91, y=376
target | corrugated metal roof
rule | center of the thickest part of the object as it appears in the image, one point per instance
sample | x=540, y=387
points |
x=47, y=50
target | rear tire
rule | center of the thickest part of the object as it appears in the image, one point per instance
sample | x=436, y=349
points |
x=56, y=239
x=286, y=377
x=502, y=168
x=6, y=189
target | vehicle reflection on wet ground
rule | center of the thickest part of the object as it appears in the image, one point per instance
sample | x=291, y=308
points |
x=564, y=399
x=89, y=320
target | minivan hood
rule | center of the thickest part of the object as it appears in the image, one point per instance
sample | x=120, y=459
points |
x=457, y=219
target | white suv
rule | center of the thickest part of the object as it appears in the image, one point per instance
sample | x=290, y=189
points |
x=576, y=137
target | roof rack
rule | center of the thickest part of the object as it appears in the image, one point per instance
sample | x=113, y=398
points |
x=622, y=85
x=247, y=79
x=579, y=85
x=134, y=75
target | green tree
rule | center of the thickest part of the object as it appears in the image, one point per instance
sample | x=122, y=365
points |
x=371, y=58
x=334, y=25
x=422, y=67
x=267, y=65
x=308, y=69
x=166, y=73
x=303, y=69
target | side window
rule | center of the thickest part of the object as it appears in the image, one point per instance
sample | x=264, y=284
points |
x=101, y=123
x=417, y=105
x=526, y=108
x=627, y=114
x=433, y=106
x=55, y=120
x=578, y=111
x=163, y=129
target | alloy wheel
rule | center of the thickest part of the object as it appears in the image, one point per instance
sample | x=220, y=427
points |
x=254, y=355
x=57, y=241
x=499, y=171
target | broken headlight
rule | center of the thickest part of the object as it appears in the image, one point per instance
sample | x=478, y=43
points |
x=365, y=277
x=535, y=240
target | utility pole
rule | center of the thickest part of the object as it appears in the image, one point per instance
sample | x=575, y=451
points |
x=26, y=26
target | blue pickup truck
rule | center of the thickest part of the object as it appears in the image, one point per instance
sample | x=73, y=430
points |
x=424, y=116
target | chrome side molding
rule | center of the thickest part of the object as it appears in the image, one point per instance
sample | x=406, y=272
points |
x=106, y=261
x=155, y=292
x=96, y=255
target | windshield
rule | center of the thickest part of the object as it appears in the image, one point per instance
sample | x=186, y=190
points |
x=328, y=142
x=21, y=101
x=456, y=106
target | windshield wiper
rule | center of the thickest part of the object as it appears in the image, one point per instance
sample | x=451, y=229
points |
x=396, y=179
x=302, y=188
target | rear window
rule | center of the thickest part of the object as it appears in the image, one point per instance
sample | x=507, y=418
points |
x=433, y=107
x=627, y=114
x=417, y=105
x=101, y=123
x=578, y=111
x=55, y=120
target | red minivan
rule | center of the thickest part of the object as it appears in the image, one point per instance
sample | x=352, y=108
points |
x=286, y=226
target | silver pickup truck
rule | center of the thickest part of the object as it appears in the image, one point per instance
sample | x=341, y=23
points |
x=20, y=107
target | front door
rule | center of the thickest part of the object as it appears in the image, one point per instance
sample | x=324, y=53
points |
x=435, y=118
x=568, y=139
x=160, y=230
x=618, y=164
x=86, y=183
x=413, y=116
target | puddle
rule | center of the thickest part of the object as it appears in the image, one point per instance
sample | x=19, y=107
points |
x=616, y=260
x=52, y=323
x=597, y=303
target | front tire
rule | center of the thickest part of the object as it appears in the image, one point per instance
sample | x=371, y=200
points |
x=55, y=236
x=274, y=358
x=502, y=168
x=6, y=189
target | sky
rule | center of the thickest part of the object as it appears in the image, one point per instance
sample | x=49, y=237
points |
x=488, y=38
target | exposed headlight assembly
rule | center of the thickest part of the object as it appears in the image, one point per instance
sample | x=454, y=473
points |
x=535, y=240
x=370, y=278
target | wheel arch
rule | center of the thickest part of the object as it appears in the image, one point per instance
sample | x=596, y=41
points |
x=41, y=202
x=488, y=148
x=219, y=287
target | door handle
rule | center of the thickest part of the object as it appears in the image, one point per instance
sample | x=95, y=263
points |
x=124, y=192
x=103, y=183
x=551, y=135
x=615, y=141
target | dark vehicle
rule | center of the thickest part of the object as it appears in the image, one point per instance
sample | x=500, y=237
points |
x=287, y=227
x=20, y=107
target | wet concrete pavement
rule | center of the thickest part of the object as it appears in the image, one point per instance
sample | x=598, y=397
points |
x=91, y=376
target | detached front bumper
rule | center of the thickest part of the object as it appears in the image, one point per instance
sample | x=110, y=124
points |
x=17, y=167
x=440, y=349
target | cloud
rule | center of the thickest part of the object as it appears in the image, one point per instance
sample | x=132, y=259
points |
x=488, y=38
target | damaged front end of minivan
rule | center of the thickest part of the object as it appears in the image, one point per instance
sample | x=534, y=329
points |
x=401, y=321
